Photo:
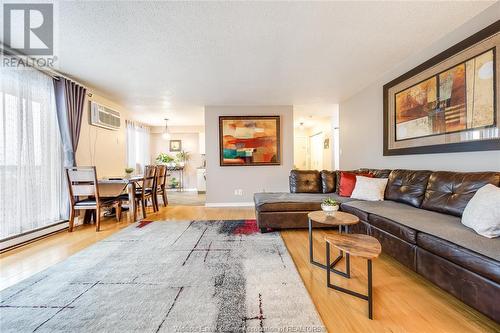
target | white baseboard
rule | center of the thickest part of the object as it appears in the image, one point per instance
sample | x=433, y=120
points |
x=32, y=235
x=229, y=204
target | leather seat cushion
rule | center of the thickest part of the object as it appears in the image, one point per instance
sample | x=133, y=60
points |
x=440, y=225
x=397, y=229
x=361, y=214
x=475, y=262
x=285, y=202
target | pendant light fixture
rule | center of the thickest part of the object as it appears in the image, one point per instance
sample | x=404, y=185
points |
x=166, y=135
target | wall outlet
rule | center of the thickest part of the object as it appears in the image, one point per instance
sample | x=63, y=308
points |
x=238, y=192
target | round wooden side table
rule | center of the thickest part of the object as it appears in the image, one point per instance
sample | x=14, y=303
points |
x=363, y=246
x=339, y=219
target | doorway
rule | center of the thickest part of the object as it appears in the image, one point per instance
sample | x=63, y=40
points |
x=183, y=150
x=315, y=137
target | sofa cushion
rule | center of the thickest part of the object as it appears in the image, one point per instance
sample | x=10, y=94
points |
x=281, y=202
x=397, y=229
x=403, y=251
x=361, y=214
x=480, y=264
x=348, y=182
x=305, y=181
x=369, y=188
x=337, y=178
x=449, y=192
x=407, y=186
x=328, y=180
x=440, y=225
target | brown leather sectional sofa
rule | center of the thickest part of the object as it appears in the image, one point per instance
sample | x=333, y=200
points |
x=418, y=223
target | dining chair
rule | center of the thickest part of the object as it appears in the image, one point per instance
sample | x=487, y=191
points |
x=161, y=185
x=82, y=182
x=147, y=189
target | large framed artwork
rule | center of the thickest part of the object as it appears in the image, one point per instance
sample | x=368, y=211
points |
x=449, y=103
x=249, y=140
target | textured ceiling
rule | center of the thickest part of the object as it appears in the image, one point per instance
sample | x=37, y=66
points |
x=171, y=58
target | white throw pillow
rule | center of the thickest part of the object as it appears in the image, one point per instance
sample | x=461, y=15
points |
x=370, y=189
x=482, y=212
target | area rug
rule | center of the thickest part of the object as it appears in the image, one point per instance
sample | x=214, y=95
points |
x=186, y=276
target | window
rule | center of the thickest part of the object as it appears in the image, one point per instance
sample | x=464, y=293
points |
x=137, y=146
x=31, y=161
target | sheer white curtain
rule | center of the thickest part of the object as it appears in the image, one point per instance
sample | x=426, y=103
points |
x=31, y=171
x=138, y=139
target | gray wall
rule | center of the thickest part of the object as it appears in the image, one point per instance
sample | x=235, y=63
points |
x=361, y=132
x=222, y=181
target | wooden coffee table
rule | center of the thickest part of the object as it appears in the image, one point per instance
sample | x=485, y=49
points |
x=339, y=219
x=362, y=246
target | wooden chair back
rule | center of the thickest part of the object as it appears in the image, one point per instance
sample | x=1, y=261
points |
x=82, y=181
x=148, y=181
x=161, y=175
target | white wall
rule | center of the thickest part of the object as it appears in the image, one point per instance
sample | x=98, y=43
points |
x=189, y=135
x=361, y=118
x=302, y=143
x=222, y=181
x=301, y=153
x=324, y=126
x=106, y=149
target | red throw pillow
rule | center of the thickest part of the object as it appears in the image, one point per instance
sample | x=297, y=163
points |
x=348, y=181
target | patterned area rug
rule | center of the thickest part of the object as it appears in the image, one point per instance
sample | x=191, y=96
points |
x=190, y=276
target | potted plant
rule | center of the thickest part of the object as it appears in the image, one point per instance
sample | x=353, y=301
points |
x=164, y=158
x=182, y=157
x=174, y=183
x=330, y=206
x=128, y=171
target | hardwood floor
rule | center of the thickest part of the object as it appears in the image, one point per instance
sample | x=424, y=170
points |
x=403, y=301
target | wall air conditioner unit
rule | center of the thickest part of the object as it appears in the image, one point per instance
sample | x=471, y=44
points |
x=103, y=116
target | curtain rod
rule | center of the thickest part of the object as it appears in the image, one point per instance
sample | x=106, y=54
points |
x=6, y=50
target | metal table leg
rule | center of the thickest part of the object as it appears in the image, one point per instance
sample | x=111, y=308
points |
x=368, y=298
x=346, y=274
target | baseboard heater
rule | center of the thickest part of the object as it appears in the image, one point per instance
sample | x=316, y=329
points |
x=29, y=236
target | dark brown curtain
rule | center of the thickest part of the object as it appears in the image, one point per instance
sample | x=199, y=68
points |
x=70, y=99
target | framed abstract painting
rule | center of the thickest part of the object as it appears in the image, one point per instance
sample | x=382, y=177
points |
x=249, y=140
x=449, y=103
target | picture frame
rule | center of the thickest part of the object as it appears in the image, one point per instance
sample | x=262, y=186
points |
x=448, y=103
x=175, y=145
x=249, y=140
x=326, y=143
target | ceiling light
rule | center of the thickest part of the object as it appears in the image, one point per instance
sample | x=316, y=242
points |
x=166, y=134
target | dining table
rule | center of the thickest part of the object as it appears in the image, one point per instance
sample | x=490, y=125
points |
x=115, y=186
